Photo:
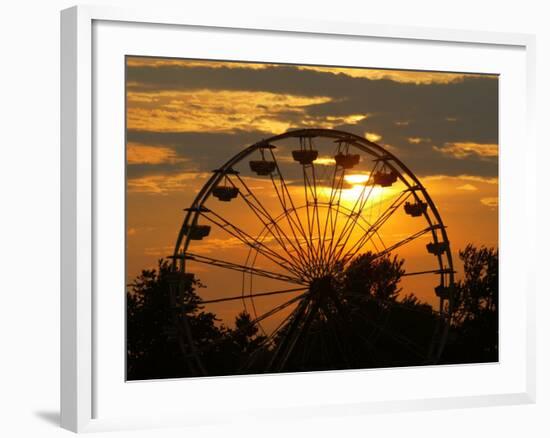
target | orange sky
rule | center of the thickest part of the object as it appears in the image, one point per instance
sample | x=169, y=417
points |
x=187, y=117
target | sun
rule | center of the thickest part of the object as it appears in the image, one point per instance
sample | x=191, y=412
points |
x=357, y=187
x=357, y=178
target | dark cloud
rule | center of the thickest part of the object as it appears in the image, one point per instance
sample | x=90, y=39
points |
x=203, y=151
x=425, y=158
x=461, y=111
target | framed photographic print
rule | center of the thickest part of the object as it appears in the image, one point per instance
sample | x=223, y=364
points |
x=308, y=218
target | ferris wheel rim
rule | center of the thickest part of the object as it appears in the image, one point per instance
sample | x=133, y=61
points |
x=363, y=144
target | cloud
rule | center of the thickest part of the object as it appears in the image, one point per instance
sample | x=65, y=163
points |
x=473, y=178
x=142, y=154
x=217, y=111
x=163, y=184
x=467, y=149
x=403, y=76
x=490, y=202
x=137, y=61
x=418, y=140
x=467, y=187
x=159, y=251
x=373, y=136
x=202, y=151
x=215, y=245
x=208, y=112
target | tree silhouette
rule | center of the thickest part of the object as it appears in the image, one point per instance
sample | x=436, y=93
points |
x=152, y=350
x=368, y=276
x=474, y=329
x=352, y=320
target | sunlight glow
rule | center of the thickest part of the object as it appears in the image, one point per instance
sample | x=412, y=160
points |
x=325, y=161
x=356, y=188
x=357, y=178
x=352, y=195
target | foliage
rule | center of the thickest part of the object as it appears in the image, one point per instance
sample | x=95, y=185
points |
x=474, y=329
x=356, y=323
x=151, y=338
x=369, y=276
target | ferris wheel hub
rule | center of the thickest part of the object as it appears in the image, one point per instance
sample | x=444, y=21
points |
x=322, y=286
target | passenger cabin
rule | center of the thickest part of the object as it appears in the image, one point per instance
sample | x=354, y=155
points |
x=437, y=248
x=225, y=193
x=347, y=161
x=181, y=278
x=416, y=209
x=196, y=232
x=384, y=179
x=443, y=292
x=305, y=156
x=262, y=167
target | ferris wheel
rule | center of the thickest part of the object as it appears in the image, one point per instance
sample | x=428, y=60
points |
x=297, y=230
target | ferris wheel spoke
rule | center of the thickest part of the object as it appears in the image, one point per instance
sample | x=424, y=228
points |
x=333, y=194
x=311, y=199
x=269, y=218
x=404, y=242
x=375, y=227
x=320, y=248
x=299, y=334
x=241, y=268
x=285, y=195
x=290, y=214
x=254, y=322
x=377, y=224
x=328, y=217
x=310, y=189
x=382, y=218
x=253, y=295
x=277, y=361
x=252, y=242
x=431, y=271
x=308, y=218
x=270, y=224
x=269, y=339
x=375, y=246
x=278, y=308
x=334, y=216
x=348, y=226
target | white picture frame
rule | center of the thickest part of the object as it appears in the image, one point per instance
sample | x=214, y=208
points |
x=82, y=368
